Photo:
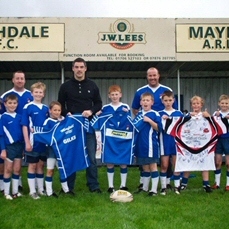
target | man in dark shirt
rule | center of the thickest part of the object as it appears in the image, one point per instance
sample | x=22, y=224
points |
x=80, y=95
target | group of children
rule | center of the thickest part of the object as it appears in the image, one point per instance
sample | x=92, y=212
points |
x=124, y=140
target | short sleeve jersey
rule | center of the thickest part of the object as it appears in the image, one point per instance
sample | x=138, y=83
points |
x=24, y=97
x=147, y=142
x=67, y=138
x=11, y=127
x=157, y=92
x=117, y=135
x=33, y=116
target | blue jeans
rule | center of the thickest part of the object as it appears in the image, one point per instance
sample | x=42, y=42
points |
x=92, y=171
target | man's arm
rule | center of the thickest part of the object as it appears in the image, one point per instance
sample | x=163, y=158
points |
x=62, y=100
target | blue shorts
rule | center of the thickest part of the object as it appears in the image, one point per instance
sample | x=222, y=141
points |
x=222, y=146
x=15, y=150
x=146, y=160
x=168, y=150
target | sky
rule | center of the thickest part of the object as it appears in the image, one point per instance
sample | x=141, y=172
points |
x=116, y=8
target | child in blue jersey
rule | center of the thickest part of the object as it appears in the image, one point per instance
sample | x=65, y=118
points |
x=167, y=143
x=12, y=146
x=222, y=146
x=115, y=95
x=33, y=116
x=55, y=117
x=148, y=124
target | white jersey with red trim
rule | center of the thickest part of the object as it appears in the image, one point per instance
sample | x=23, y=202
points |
x=196, y=138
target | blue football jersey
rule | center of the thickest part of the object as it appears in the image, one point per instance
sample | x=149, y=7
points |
x=12, y=128
x=33, y=116
x=156, y=92
x=109, y=108
x=68, y=140
x=117, y=136
x=167, y=142
x=147, y=142
x=24, y=97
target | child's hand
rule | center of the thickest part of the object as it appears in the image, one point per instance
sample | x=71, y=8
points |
x=98, y=113
x=206, y=114
x=28, y=147
x=217, y=113
x=165, y=117
x=3, y=154
x=146, y=119
x=125, y=109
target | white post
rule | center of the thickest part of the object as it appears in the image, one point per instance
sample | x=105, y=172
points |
x=178, y=88
x=62, y=72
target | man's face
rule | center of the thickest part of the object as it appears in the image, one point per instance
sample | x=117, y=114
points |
x=153, y=77
x=79, y=70
x=19, y=81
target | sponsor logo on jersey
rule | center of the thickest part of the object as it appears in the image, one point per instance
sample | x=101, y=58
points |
x=68, y=129
x=67, y=140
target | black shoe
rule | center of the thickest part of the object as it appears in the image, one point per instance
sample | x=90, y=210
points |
x=183, y=187
x=177, y=190
x=124, y=188
x=163, y=191
x=70, y=192
x=20, y=188
x=97, y=190
x=53, y=195
x=207, y=188
x=152, y=194
x=169, y=186
x=139, y=191
x=140, y=186
x=110, y=190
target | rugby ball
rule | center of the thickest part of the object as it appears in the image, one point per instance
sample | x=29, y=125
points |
x=121, y=196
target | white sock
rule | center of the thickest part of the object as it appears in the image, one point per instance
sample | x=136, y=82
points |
x=163, y=181
x=123, y=179
x=31, y=183
x=155, y=181
x=146, y=180
x=40, y=182
x=7, y=187
x=64, y=186
x=217, y=179
x=110, y=177
x=15, y=181
x=48, y=186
